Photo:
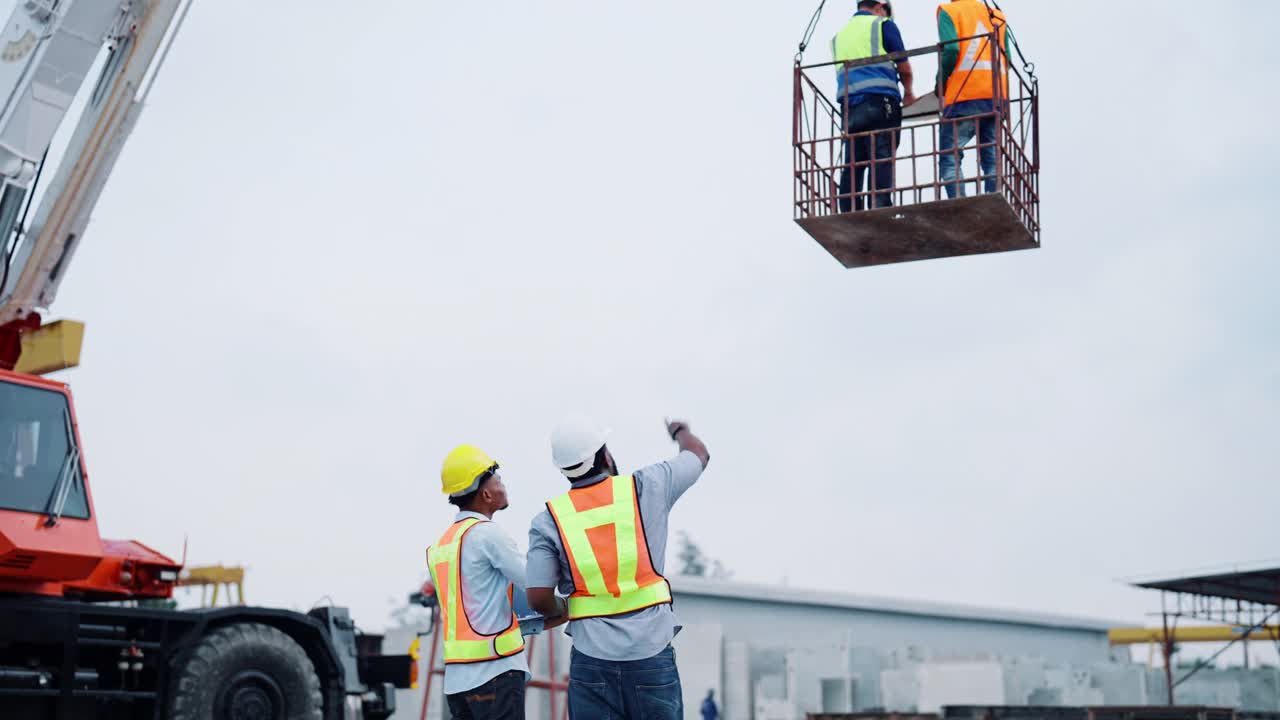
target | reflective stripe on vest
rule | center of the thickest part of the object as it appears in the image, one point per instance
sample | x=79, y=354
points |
x=603, y=537
x=462, y=644
x=862, y=38
x=972, y=77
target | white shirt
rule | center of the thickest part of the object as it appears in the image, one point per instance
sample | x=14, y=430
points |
x=488, y=564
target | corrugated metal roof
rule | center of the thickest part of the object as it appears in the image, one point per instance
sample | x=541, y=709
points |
x=701, y=587
x=1261, y=586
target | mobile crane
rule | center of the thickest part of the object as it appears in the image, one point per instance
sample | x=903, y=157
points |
x=81, y=635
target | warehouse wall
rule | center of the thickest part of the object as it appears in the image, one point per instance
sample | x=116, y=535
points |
x=765, y=623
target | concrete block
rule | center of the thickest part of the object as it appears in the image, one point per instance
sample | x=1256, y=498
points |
x=960, y=683
x=1022, y=678
x=771, y=687
x=837, y=695
x=1260, y=690
x=1045, y=696
x=1209, y=687
x=806, y=668
x=776, y=710
x=865, y=665
x=736, y=701
x=1121, y=684
x=900, y=689
x=700, y=657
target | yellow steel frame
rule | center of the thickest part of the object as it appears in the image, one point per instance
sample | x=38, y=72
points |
x=215, y=576
x=1192, y=634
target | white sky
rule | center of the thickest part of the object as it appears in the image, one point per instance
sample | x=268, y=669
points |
x=347, y=236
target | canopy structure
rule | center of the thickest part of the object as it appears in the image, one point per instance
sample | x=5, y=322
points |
x=1245, y=602
x=1257, y=587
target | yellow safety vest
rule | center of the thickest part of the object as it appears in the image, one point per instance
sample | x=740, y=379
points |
x=462, y=644
x=603, y=538
x=863, y=38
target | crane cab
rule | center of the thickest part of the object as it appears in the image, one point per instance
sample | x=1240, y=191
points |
x=921, y=215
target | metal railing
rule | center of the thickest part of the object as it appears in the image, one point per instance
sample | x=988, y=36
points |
x=821, y=142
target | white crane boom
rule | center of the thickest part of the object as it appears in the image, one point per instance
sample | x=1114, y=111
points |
x=47, y=50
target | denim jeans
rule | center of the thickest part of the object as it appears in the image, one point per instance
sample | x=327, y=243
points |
x=873, y=113
x=953, y=135
x=634, y=690
x=502, y=698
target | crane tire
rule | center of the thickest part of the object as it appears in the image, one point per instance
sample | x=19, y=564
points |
x=246, y=671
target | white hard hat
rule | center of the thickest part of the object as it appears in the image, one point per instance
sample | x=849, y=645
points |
x=574, y=443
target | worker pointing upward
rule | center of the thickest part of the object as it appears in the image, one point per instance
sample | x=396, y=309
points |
x=475, y=567
x=603, y=545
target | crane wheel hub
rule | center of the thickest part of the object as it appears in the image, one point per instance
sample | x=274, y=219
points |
x=252, y=695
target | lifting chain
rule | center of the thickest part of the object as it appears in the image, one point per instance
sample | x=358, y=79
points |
x=1028, y=67
x=808, y=32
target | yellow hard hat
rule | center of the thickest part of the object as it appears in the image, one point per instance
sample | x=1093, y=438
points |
x=463, y=468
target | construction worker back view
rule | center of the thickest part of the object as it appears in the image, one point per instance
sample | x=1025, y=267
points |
x=966, y=79
x=476, y=569
x=602, y=544
x=868, y=99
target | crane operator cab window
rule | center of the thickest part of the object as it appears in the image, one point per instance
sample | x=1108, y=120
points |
x=39, y=459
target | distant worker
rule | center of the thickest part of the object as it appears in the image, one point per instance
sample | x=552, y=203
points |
x=475, y=568
x=868, y=97
x=603, y=544
x=968, y=85
x=709, y=709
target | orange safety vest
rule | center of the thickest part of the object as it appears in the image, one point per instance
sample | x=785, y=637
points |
x=462, y=644
x=971, y=78
x=603, y=537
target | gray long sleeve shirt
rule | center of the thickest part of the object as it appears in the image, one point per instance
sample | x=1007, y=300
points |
x=643, y=633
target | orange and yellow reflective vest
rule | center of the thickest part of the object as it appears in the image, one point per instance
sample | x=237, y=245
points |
x=462, y=644
x=971, y=76
x=603, y=537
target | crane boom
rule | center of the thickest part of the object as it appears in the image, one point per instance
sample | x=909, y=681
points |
x=47, y=51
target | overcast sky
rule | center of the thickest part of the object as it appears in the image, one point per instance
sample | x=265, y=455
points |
x=348, y=236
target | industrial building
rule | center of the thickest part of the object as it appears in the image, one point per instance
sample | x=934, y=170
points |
x=810, y=650
x=777, y=653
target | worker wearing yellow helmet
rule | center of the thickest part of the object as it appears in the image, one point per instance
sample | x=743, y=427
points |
x=476, y=569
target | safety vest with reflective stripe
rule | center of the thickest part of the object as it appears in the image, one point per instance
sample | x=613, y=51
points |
x=603, y=537
x=862, y=38
x=462, y=644
x=971, y=78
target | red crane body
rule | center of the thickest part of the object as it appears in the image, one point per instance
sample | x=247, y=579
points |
x=69, y=558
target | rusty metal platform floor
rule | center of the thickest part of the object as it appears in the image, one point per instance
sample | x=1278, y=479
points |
x=948, y=228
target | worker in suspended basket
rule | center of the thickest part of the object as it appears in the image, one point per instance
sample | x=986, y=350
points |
x=602, y=545
x=968, y=87
x=869, y=98
x=476, y=569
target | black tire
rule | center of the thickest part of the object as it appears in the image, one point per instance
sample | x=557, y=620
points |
x=246, y=671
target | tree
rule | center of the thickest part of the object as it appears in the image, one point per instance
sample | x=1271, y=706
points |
x=695, y=563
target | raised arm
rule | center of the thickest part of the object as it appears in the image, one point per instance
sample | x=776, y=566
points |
x=684, y=437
